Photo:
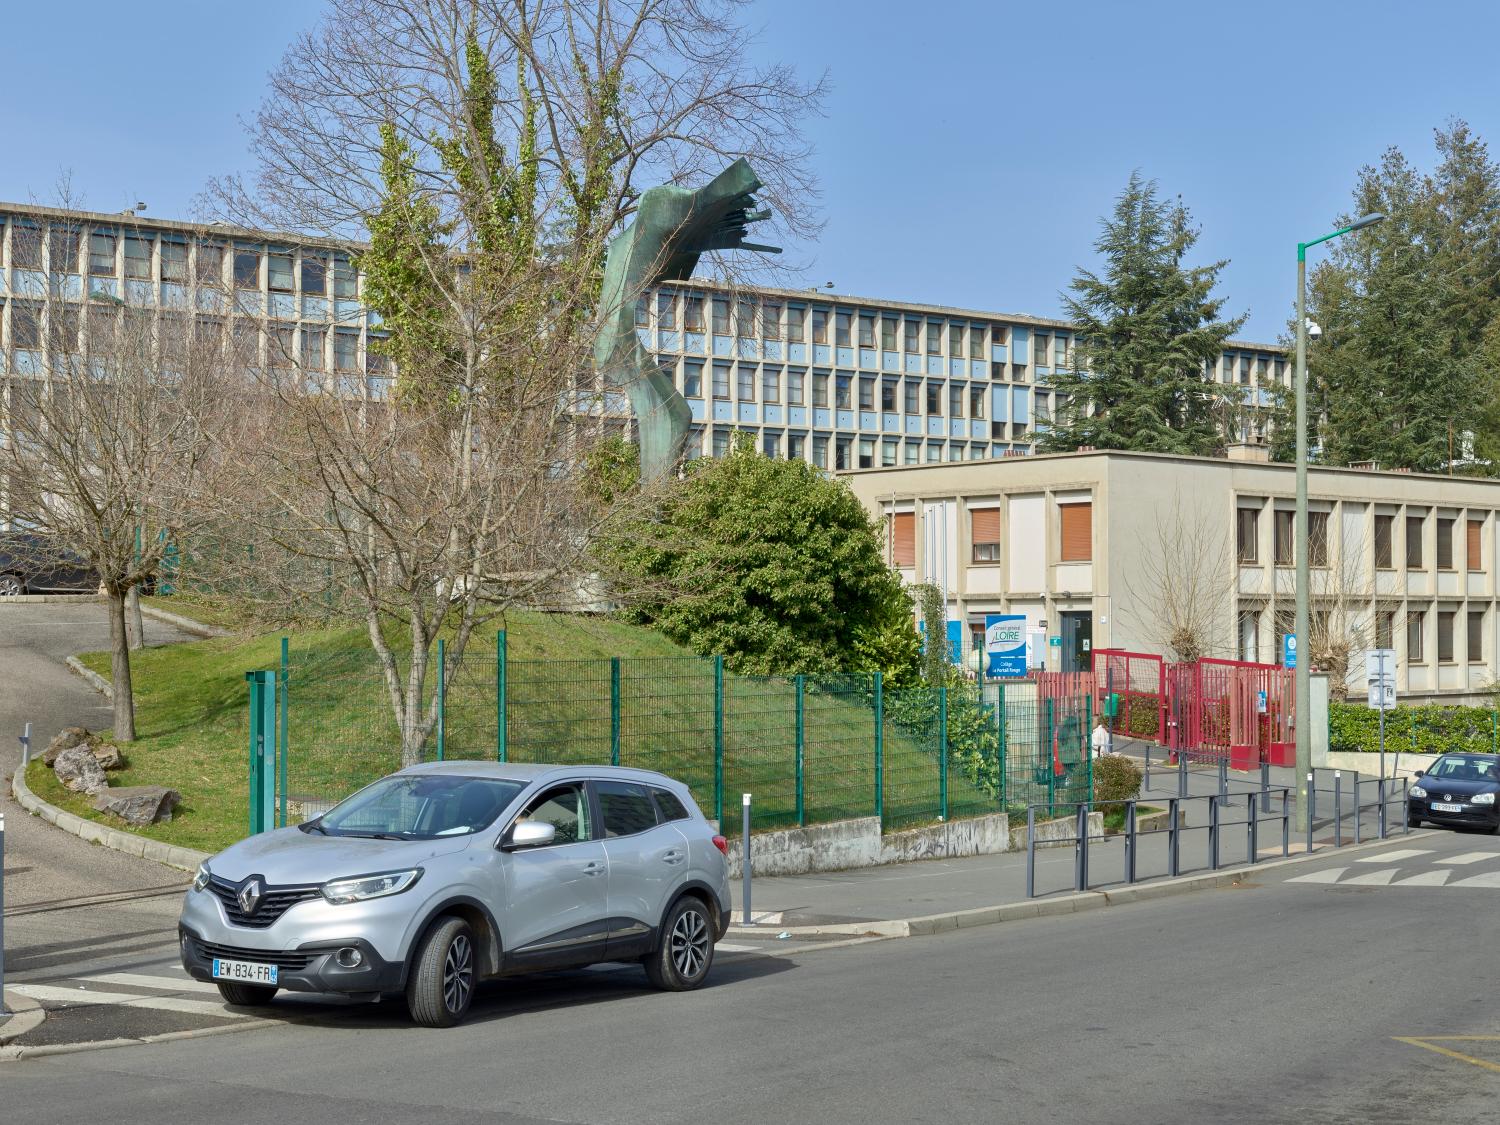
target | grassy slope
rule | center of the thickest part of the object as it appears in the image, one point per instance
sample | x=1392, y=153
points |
x=191, y=715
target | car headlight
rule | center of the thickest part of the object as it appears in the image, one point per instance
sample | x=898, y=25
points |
x=1482, y=799
x=370, y=886
x=201, y=876
x=1416, y=791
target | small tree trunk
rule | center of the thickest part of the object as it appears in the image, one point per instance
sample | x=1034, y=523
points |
x=119, y=669
x=135, y=626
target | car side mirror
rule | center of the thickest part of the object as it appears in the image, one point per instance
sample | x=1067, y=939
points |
x=528, y=834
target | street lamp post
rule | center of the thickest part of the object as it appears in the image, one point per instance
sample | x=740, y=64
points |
x=1303, y=670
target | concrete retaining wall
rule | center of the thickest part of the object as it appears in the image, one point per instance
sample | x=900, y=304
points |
x=843, y=844
x=1057, y=833
x=1368, y=765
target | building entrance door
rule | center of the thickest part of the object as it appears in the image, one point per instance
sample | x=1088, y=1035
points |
x=1077, y=640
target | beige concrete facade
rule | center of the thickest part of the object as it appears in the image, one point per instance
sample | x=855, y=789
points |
x=1215, y=533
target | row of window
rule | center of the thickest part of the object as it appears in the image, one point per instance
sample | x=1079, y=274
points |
x=843, y=451
x=1075, y=521
x=1247, y=540
x=175, y=259
x=1385, y=633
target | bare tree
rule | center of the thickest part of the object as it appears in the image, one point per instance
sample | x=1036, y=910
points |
x=112, y=426
x=1181, y=595
x=1341, y=619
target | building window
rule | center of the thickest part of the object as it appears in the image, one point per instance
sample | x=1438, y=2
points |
x=314, y=276
x=955, y=339
x=912, y=454
x=721, y=381
x=770, y=384
x=1041, y=350
x=1385, y=629
x=771, y=445
x=888, y=450
x=282, y=349
x=976, y=402
x=912, y=396
x=866, y=453
x=279, y=273
x=746, y=381
x=984, y=533
x=345, y=281
x=247, y=269
x=721, y=316
x=841, y=453
x=1445, y=636
x=1247, y=535
x=867, y=330
x=174, y=262
x=903, y=532
x=934, y=337
x=820, y=326
x=1445, y=544
x=720, y=442
x=794, y=381
x=1414, y=621
x=820, y=452
x=1284, y=526
x=25, y=326
x=888, y=333
x=101, y=254
x=934, y=398
x=692, y=315
x=841, y=329
x=208, y=265
x=1384, y=558
x=312, y=347
x=976, y=341
x=642, y=312
x=1474, y=552
x=692, y=379
x=26, y=247
x=62, y=248
x=1317, y=538
x=345, y=351
x=820, y=389
x=1475, y=647
x=934, y=452
x=1249, y=637
x=796, y=323
x=913, y=341
x=1413, y=542
x=1060, y=352
x=955, y=401
x=744, y=319
x=1077, y=540
x=888, y=396
x=794, y=443
x=867, y=393
x=842, y=396
x=1244, y=371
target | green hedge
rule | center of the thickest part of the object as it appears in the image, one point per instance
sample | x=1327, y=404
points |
x=1422, y=730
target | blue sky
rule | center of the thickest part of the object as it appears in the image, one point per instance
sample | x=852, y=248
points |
x=968, y=148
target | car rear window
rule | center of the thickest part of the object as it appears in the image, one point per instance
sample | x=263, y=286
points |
x=669, y=806
x=626, y=806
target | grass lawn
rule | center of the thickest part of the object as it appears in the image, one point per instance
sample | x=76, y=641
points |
x=191, y=704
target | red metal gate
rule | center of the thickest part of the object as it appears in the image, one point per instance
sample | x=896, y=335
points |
x=1139, y=680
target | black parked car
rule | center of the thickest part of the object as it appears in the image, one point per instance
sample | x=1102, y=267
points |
x=1461, y=790
x=32, y=564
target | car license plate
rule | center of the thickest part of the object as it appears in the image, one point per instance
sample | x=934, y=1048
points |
x=249, y=971
x=1439, y=806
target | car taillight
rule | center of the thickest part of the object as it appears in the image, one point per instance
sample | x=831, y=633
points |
x=722, y=844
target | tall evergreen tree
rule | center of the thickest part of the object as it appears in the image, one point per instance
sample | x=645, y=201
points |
x=1148, y=326
x=1401, y=374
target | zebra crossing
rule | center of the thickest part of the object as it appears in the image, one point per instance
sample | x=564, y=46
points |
x=1413, y=867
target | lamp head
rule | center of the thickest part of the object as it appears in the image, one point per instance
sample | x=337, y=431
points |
x=1367, y=220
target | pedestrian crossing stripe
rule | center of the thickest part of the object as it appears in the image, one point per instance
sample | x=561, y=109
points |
x=1409, y=853
x=1470, y=857
x=141, y=980
x=59, y=994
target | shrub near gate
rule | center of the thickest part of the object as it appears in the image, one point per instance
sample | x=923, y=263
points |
x=1353, y=728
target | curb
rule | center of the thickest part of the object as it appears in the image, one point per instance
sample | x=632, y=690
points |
x=1063, y=904
x=26, y=1015
x=185, y=624
x=55, y=599
x=92, y=678
x=170, y=855
x=17, y=1054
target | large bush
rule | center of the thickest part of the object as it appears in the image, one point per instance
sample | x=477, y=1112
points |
x=1116, y=778
x=1421, y=730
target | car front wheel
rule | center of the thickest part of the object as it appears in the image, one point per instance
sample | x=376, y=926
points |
x=246, y=995
x=682, y=960
x=442, y=979
x=11, y=586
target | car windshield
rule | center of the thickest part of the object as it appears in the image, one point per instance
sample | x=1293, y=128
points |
x=419, y=807
x=1462, y=767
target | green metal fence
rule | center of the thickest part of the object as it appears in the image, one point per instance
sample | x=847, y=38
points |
x=809, y=749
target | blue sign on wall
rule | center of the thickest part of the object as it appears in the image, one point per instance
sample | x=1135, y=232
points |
x=955, y=639
x=1004, y=645
x=1289, y=650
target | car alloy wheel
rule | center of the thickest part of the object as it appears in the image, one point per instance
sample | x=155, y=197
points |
x=689, y=943
x=10, y=586
x=458, y=975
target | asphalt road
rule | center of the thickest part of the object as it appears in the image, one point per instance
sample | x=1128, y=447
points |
x=1273, y=1001
x=44, y=865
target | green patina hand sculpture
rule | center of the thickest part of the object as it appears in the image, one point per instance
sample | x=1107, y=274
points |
x=672, y=227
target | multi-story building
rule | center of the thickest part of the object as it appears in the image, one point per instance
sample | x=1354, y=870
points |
x=858, y=383
x=1115, y=550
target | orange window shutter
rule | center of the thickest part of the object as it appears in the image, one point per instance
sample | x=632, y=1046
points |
x=985, y=525
x=1475, y=555
x=1077, y=532
x=904, y=539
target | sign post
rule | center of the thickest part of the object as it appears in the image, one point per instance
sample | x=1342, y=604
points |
x=1380, y=675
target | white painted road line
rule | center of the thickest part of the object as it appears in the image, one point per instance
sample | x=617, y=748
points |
x=1373, y=879
x=1425, y=879
x=1392, y=857
x=140, y=980
x=1471, y=857
x=1488, y=879
x=126, y=1000
x=1331, y=875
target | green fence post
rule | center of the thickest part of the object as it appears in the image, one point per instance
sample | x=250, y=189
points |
x=1088, y=739
x=282, y=747
x=614, y=710
x=943, y=748
x=880, y=747
x=442, y=699
x=1050, y=762
x=719, y=741
x=1004, y=748
x=1494, y=731
x=501, y=748
x=262, y=755
x=801, y=752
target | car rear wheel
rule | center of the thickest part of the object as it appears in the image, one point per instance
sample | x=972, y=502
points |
x=682, y=960
x=442, y=980
x=246, y=995
x=11, y=586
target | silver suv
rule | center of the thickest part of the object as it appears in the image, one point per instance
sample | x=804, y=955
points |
x=444, y=874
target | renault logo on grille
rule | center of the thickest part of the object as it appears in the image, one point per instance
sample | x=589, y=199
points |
x=250, y=894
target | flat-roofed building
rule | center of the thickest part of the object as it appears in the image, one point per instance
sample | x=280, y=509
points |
x=1113, y=549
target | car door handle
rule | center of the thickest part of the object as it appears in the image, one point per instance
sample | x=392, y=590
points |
x=673, y=856
x=593, y=867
